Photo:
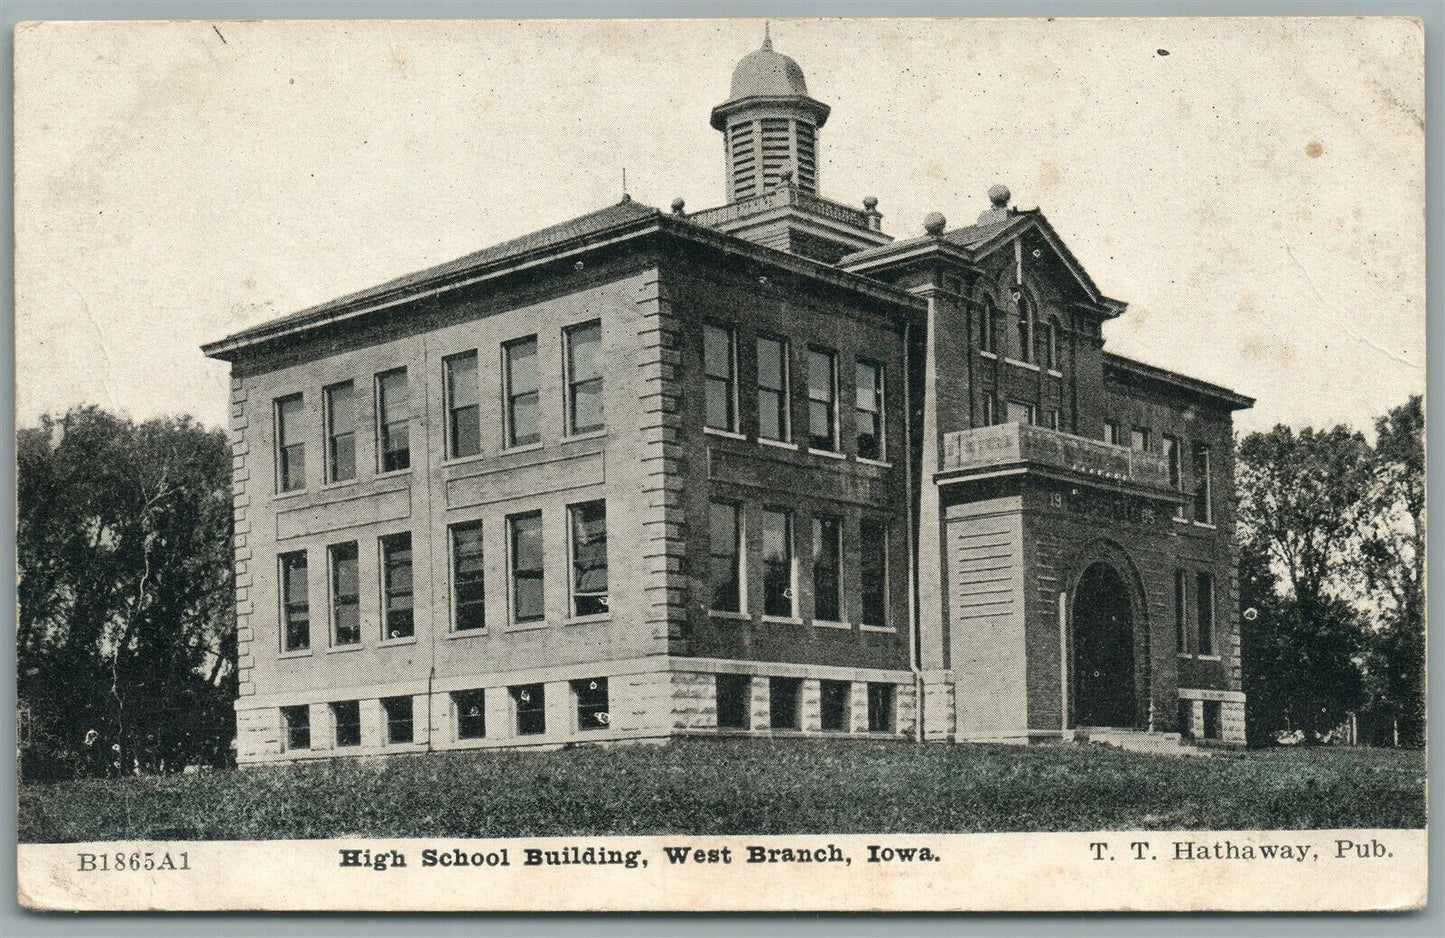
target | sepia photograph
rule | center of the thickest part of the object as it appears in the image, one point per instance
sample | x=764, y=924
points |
x=721, y=464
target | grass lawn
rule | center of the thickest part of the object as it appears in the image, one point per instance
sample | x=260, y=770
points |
x=744, y=786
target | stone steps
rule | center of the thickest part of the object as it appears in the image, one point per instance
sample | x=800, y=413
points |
x=1165, y=744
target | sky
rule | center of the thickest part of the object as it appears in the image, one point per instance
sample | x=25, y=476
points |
x=1253, y=189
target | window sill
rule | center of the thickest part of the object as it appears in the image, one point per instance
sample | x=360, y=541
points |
x=1207, y=525
x=732, y=616
x=880, y=463
x=782, y=620
x=879, y=628
x=297, y=653
x=525, y=448
x=464, y=633
x=828, y=453
x=392, y=642
x=527, y=626
x=343, y=649
x=780, y=444
x=584, y=620
x=292, y=493
x=1181, y=520
x=984, y=353
x=830, y=624
x=1055, y=373
x=463, y=460
x=339, y=484
x=586, y=435
x=1015, y=362
x=725, y=434
x=395, y=473
x=1207, y=658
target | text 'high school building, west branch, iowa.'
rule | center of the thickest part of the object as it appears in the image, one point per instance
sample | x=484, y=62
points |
x=756, y=469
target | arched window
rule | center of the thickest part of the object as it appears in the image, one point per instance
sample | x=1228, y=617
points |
x=988, y=328
x=1026, y=331
x=1051, y=343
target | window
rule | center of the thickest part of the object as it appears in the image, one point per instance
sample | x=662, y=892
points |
x=471, y=707
x=589, y=558
x=398, y=720
x=836, y=703
x=392, y=423
x=469, y=607
x=530, y=703
x=297, y=723
x=868, y=417
x=346, y=715
x=290, y=445
x=1019, y=412
x=988, y=329
x=295, y=603
x=519, y=366
x=464, y=428
x=340, y=403
x=734, y=701
x=584, y=378
x=1186, y=718
x=1204, y=601
x=827, y=569
x=1026, y=332
x=990, y=410
x=396, y=583
x=1181, y=612
x=1213, y=724
x=592, y=709
x=720, y=377
x=783, y=694
x=777, y=563
x=725, y=556
x=1203, y=491
x=881, y=708
x=873, y=569
x=1051, y=418
x=1111, y=432
x=345, y=598
x=1051, y=344
x=822, y=400
x=1139, y=440
x=525, y=536
x=1176, y=474
x=773, y=397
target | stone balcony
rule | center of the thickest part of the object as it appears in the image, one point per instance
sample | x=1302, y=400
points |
x=1013, y=449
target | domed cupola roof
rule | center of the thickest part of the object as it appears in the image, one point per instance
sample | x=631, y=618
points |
x=766, y=72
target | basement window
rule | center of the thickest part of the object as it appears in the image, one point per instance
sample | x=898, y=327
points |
x=592, y=705
x=881, y=708
x=346, y=715
x=836, y=702
x=471, y=707
x=297, y=723
x=398, y=720
x=530, y=703
x=783, y=694
x=1213, y=720
x=734, y=701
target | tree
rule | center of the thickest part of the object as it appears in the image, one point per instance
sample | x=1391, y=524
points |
x=126, y=634
x=1393, y=562
x=1303, y=501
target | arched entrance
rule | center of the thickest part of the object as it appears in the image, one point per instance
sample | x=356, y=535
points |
x=1103, y=650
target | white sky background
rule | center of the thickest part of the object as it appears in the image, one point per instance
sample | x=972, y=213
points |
x=172, y=187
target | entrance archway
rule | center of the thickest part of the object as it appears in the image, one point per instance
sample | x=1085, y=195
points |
x=1103, y=650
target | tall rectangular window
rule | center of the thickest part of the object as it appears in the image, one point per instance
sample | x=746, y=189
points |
x=868, y=411
x=393, y=420
x=1203, y=486
x=519, y=371
x=1204, y=600
x=346, y=715
x=773, y=397
x=720, y=375
x=396, y=581
x=290, y=445
x=734, y=701
x=593, y=710
x=822, y=400
x=296, y=603
x=1139, y=439
x=471, y=707
x=783, y=709
x=1111, y=432
x=297, y=723
x=836, y=705
x=1019, y=412
x=399, y=729
x=827, y=569
x=873, y=569
x=777, y=563
x=1213, y=719
x=1051, y=418
x=524, y=532
x=464, y=426
x=469, y=606
x=1176, y=473
x=584, y=378
x=725, y=556
x=990, y=410
x=881, y=700
x=529, y=702
x=345, y=598
x=589, y=558
x=1181, y=612
x=340, y=403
